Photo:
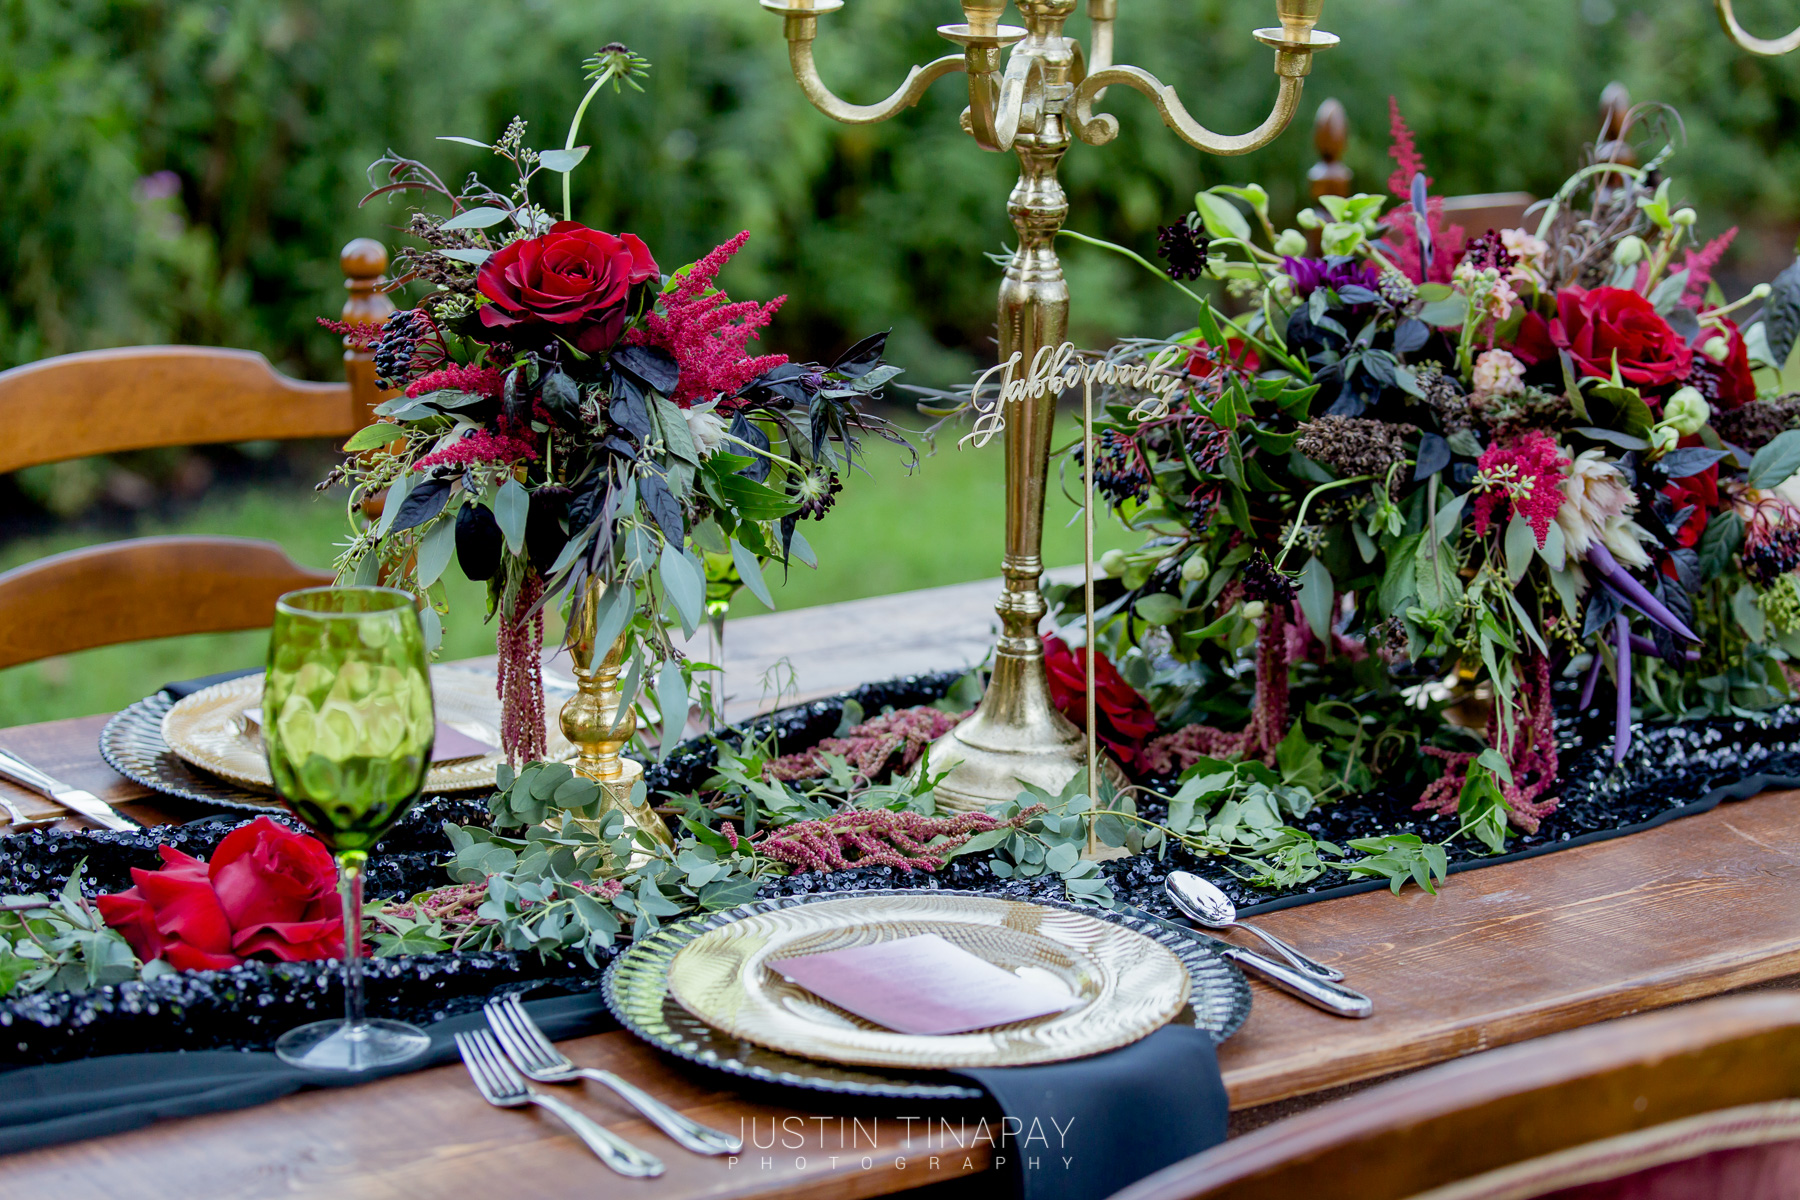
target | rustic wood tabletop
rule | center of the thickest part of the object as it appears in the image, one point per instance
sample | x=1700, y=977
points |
x=1695, y=908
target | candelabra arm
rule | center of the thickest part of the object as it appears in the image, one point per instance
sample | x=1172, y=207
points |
x=1101, y=15
x=1099, y=129
x=1756, y=45
x=806, y=71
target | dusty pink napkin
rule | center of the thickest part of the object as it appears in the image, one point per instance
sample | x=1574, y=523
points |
x=922, y=985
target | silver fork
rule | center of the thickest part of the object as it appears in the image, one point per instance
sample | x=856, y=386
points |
x=541, y=1062
x=501, y=1086
x=18, y=820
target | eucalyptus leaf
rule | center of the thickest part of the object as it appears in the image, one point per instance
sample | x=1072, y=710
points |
x=476, y=218
x=751, y=571
x=1520, y=543
x=512, y=505
x=1160, y=608
x=672, y=702
x=436, y=549
x=686, y=587
x=371, y=436
x=562, y=161
x=1317, y=593
x=473, y=257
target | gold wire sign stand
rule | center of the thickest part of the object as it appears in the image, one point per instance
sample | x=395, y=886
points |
x=1771, y=47
x=1036, y=103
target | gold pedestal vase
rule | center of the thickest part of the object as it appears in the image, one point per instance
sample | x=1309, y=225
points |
x=599, y=723
x=1032, y=92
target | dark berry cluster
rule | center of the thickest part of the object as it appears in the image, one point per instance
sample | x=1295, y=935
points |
x=1119, y=470
x=1489, y=251
x=1184, y=245
x=1263, y=582
x=394, y=352
x=1771, y=551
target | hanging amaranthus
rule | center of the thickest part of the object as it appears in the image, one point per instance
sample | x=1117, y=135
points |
x=519, y=679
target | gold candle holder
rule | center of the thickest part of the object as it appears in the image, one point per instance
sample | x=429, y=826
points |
x=599, y=723
x=1771, y=47
x=1035, y=102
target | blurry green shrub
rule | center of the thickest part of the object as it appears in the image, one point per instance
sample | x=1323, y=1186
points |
x=185, y=171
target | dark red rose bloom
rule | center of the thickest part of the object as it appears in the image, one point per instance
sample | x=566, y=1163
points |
x=1125, y=719
x=267, y=890
x=1594, y=326
x=1737, y=383
x=1701, y=491
x=571, y=283
x=1204, y=361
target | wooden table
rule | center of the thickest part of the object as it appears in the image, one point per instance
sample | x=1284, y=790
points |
x=1693, y=909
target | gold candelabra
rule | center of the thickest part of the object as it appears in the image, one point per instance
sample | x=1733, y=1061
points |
x=1035, y=103
x=1755, y=45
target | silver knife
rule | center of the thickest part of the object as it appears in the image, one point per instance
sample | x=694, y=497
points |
x=86, y=803
x=1334, y=998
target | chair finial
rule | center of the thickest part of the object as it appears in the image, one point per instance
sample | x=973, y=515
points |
x=1330, y=176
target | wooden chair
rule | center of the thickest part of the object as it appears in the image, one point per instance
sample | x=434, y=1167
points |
x=105, y=401
x=1692, y=1102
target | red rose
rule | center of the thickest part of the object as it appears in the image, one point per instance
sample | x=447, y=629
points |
x=1203, y=361
x=1702, y=492
x=1737, y=383
x=1125, y=719
x=1596, y=326
x=266, y=890
x=571, y=283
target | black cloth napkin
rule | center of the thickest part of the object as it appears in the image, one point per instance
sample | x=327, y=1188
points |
x=65, y=1102
x=181, y=689
x=1085, y=1129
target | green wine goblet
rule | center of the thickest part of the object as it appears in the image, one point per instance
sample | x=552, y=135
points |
x=348, y=724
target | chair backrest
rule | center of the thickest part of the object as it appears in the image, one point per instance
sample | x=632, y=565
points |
x=143, y=588
x=1650, y=1082
x=138, y=397
x=134, y=398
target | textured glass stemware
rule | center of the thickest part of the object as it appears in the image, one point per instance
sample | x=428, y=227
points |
x=348, y=724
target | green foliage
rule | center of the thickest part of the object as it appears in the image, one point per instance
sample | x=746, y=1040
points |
x=61, y=944
x=1052, y=841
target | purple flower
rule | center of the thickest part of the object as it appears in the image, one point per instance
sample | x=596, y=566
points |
x=1336, y=273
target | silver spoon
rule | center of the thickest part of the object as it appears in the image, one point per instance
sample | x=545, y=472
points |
x=1214, y=909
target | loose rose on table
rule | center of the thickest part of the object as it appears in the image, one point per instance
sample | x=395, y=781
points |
x=267, y=890
x=1124, y=717
x=572, y=282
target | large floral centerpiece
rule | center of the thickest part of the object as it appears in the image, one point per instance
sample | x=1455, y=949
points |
x=1423, y=473
x=570, y=412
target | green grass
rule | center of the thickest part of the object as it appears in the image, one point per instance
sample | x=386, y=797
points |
x=889, y=532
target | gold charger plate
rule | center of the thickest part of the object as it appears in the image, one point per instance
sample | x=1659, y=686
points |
x=1126, y=986
x=210, y=730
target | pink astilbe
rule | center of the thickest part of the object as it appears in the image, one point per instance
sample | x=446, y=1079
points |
x=479, y=446
x=869, y=747
x=881, y=838
x=709, y=334
x=1176, y=752
x=1408, y=162
x=1529, y=744
x=519, y=679
x=1402, y=238
x=1525, y=473
x=477, y=381
x=1699, y=266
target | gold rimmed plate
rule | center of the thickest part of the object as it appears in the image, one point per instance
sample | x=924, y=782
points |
x=215, y=730
x=1122, y=984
